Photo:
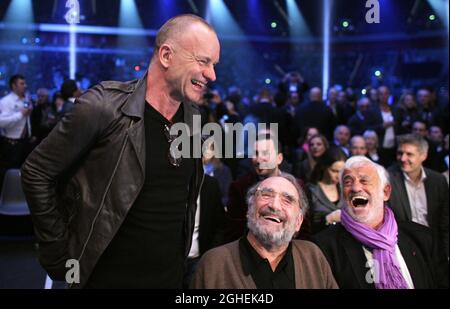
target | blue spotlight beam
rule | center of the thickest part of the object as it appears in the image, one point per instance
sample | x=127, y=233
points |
x=20, y=12
x=129, y=15
x=220, y=16
x=440, y=7
x=297, y=23
x=326, y=47
x=73, y=51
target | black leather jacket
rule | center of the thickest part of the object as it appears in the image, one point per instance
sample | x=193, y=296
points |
x=81, y=181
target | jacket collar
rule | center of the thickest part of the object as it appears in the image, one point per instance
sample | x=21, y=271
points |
x=135, y=105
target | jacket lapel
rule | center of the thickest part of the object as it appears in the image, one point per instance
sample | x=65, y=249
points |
x=429, y=194
x=404, y=196
x=356, y=258
x=134, y=107
x=409, y=255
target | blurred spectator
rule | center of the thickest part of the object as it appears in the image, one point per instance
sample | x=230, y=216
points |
x=371, y=139
x=433, y=160
x=359, y=121
x=318, y=145
x=315, y=114
x=40, y=115
x=215, y=168
x=341, y=139
x=406, y=114
x=384, y=125
x=358, y=146
x=15, y=126
x=294, y=82
x=69, y=92
x=209, y=227
x=426, y=106
x=324, y=192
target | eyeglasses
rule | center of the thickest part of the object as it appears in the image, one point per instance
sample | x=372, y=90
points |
x=173, y=159
x=268, y=194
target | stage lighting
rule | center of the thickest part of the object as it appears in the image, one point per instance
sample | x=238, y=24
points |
x=268, y=81
x=327, y=7
x=364, y=92
x=440, y=8
x=377, y=73
x=23, y=58
x=129, y=15
x=273, y=25
x=19, y=12
x=345, y=24
x=297, y=24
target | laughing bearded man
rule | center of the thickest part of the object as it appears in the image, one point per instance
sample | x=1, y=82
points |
x=267, y=257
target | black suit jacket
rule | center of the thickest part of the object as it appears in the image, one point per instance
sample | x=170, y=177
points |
x=212, y=216
x=436, y=190
x=348, y=262
x=314, y=114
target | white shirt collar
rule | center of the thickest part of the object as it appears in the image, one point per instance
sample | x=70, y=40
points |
x=423, y=176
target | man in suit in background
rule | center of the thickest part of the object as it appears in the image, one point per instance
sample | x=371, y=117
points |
x=368, y=249
x=419, y=194
x=209, y=225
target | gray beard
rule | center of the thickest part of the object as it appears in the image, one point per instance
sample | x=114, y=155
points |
x=267, y=239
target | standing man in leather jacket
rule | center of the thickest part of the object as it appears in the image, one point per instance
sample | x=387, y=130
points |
x=105, y=193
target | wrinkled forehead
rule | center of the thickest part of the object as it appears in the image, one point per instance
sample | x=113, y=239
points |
x=280, y=184
x=367, y=172
x=201, y=41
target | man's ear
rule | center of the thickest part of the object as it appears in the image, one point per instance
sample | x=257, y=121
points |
x=279, y=158
x=165, y=55
x=387, y=192
x=423, y=156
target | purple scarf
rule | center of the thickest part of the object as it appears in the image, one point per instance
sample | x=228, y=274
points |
x=383, y=242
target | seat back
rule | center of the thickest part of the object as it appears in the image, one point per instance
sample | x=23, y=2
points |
x=12, y=198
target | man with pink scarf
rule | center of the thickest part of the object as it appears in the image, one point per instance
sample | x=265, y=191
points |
x=369, y=249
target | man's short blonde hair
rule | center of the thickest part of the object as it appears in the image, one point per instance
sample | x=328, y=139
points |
x=175, y=27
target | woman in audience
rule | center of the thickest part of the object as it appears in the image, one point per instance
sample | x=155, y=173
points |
x=301, y=152
x=318, y=145
x=406, y=113
x=323, y=190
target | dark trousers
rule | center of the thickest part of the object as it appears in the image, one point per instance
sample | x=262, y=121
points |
x=12, y=155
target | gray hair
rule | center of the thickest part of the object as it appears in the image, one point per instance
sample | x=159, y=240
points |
x=303, y=201
x=413, y=139
x=371, y=133
x=355, y=137
x=358, y=161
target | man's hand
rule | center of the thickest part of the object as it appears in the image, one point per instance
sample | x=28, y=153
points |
x=333, y=217
x=26, y=111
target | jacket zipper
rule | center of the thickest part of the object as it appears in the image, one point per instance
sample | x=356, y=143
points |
x=104, y=195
